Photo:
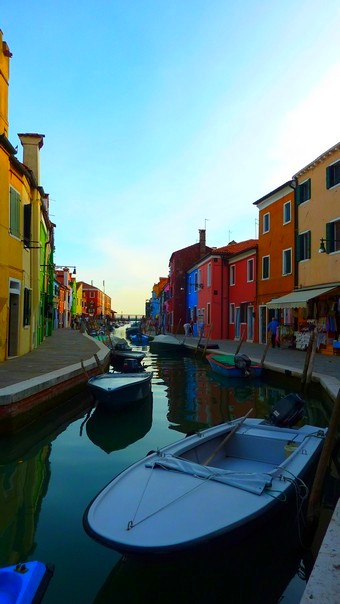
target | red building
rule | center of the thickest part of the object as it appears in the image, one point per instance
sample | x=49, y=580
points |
x=227, y=291
x=179, y=263
x=242, y=290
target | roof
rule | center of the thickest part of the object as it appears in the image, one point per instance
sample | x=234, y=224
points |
x=289, y=183
x=318, y=160
x=236, y=248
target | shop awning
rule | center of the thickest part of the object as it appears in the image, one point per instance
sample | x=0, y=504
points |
x=298, y=298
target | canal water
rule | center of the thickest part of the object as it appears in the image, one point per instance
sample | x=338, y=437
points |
x=50, y=472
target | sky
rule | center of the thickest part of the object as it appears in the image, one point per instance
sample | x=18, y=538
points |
x=163, y=117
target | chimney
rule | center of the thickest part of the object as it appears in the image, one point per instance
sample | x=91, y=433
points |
x=5, y=56
x=32, y=144
x=202, y=241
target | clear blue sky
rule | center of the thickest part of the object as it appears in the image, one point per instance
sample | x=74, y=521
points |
x=162, y=117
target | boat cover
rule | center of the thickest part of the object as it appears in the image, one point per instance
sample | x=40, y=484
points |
x=253, y=482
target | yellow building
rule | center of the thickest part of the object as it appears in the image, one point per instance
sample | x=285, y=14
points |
x=26, y=236
x=318, y=220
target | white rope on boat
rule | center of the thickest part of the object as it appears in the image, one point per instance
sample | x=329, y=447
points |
x=132, y=523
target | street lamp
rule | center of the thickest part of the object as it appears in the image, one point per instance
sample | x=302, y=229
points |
x=322, y=249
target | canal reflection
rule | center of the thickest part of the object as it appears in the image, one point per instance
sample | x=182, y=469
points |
x=112, y=432
x=50, y=472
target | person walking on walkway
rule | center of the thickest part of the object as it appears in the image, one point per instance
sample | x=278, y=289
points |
x=272, y=330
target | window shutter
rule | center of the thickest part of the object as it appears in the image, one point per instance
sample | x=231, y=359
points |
x=329, y=237
x=298, y=195
x=309, y=188
x=308, y=238
x=328, y=177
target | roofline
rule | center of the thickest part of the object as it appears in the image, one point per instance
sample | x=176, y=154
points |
x=289, y=183
x=318, y=159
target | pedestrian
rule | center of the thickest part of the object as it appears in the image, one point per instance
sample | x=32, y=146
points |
x=272, y=330
x=201, y=329
x=192, y=326
x=186, y=329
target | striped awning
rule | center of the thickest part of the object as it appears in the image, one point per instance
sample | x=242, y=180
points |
x=298, y=298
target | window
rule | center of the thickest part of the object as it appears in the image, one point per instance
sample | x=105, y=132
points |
x=287, y=215
x=231, y=313
x=208, y=313
x=209, y=275
x=232, y=274
x=196, y=282
x=14, y=210
x=27, y=307
x=303, y=191
x=333, y=236
x=287, y=262
x=265, y=267
x=333, y=175
x=250, y=269
x=303, y=246
x=243, y=312
x=266, y=223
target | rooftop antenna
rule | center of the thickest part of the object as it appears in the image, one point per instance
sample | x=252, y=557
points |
x=205, y=223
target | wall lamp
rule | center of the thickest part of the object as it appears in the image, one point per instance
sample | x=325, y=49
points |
x=322, y=249
x=65, y=266
x=200, y=285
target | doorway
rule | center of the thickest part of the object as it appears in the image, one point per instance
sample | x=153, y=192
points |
x=13, y=319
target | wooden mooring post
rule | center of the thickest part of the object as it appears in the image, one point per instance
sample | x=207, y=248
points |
x=308, y=366
x=242, y=338
x=314, y=505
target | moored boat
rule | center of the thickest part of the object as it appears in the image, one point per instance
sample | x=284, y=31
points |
x=230, y=365
x=166, y=342
x=24, y=583
x=140, y=339
x=121, y=351
x=117, y=390
x=219, y=483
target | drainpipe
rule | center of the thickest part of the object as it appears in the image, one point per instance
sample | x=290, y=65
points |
x=293, y=185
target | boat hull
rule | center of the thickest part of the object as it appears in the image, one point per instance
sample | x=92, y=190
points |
x=224, y=365
x=156, y=507
x=24, y=583
x=166, y=343
x=115, y=391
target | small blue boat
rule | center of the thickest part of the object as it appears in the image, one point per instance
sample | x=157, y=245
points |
x=140, y=339
x=24, y=583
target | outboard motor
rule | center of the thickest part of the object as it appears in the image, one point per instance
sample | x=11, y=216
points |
x=132, y=366
x=243, y=362
x=287, y=412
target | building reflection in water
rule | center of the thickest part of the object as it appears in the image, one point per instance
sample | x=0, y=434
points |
x=24, y=478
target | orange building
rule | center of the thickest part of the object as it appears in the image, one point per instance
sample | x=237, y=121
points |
x=276, y=253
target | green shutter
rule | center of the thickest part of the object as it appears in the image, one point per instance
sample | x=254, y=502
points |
x=297, y=195
x=330, y=237
x=14, y=213
x=328, y=177
x=308, y=241
x=309, y=188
